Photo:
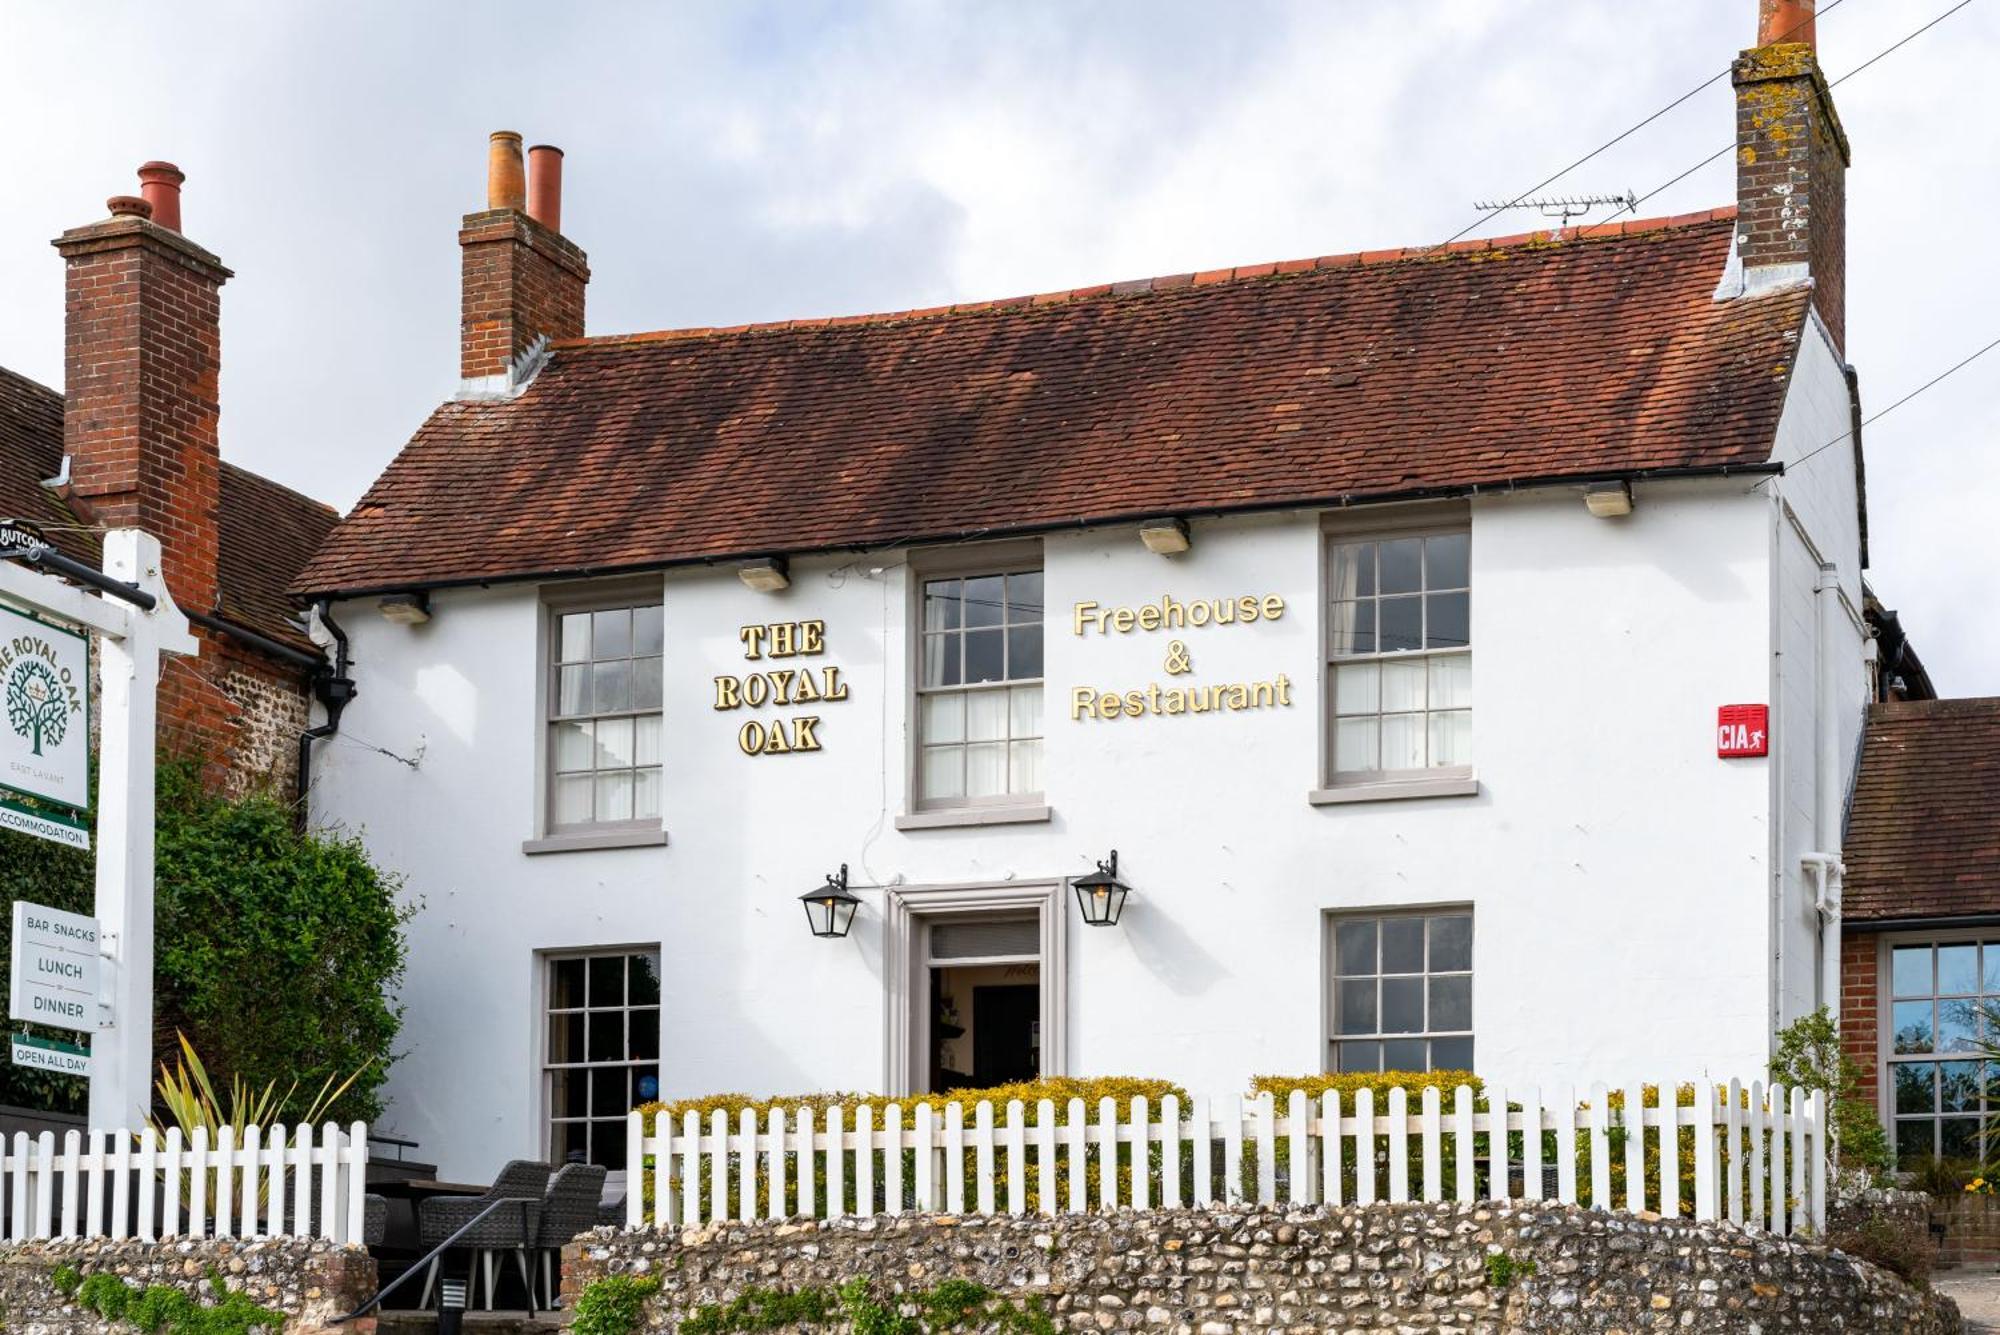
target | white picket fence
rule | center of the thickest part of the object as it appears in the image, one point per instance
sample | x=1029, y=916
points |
x=1759, y=1157
x=114, y=1184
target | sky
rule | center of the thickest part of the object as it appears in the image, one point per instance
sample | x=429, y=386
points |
x=756, y=161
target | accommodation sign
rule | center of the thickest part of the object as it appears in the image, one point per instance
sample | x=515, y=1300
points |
x=1175, y=696
x=56, y=968
x=781, y=682
x=44, y=728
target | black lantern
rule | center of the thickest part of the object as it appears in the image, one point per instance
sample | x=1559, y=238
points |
x=1101, y=895
x=830, y=909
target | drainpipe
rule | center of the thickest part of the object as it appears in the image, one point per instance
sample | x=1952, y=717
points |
x=333, y=688
x=1825, y=865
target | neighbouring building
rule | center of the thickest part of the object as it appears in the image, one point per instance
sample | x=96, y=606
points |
x=131, y=442
x=1463, y=650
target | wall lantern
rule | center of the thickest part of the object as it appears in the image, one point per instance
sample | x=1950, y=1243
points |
x=406, y=609
x=767, y=574
x=1608, y=500
x=1101, y=895
x=1165, y=537
x=830, y=909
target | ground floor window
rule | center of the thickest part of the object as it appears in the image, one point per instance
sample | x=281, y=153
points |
x=1944, y=996
x=1399, y=997
x=602, y=1055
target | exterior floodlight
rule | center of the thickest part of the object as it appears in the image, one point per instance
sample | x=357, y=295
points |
x=406, y=609
x=830, y=909
x=1608, y=500
x=1101, y=895
x=766, y=574
x=1166, y=537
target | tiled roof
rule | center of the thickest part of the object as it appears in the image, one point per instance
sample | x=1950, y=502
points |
x=268, y=531
x=1309, y=382
x=1923, y=835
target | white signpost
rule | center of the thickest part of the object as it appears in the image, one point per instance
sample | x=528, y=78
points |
x=132, y=632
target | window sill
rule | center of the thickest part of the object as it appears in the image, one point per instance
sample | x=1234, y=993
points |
x=1392, y=791
x=962, y=817
x=584, y=842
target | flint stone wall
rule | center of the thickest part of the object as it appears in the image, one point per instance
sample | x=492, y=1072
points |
x=1406, y=1268
x=310, y=1280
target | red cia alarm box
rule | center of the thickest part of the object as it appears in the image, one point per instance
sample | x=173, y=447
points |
x=1743, y=730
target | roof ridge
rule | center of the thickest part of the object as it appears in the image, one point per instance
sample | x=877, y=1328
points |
x=1200, y=278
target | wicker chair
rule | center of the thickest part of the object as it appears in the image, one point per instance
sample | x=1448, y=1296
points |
x=510, y=1230
x=568, y=1209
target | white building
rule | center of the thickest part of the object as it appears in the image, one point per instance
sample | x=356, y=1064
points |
x=1410, y=758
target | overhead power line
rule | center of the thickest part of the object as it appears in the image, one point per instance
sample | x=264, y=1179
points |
x=1935, y=380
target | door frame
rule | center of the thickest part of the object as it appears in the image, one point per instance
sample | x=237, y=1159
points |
x=906, y=911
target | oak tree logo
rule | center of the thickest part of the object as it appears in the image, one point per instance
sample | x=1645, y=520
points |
x=37, y=705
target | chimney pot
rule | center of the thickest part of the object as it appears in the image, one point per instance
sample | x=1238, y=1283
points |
x=128, y=206
x=506, y=178
x=545, y=162
x=1785, y=21
x=160, y=184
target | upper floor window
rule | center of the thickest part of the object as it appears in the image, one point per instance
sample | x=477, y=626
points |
x=1399, y=650
x=979, y=689
x=604, y=685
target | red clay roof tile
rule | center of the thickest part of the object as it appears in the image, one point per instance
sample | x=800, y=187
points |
x=1923, y=831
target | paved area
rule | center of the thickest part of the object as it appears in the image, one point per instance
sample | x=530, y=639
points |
x=1977, y=1294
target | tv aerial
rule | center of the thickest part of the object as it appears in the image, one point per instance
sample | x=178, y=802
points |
x=1563, y=207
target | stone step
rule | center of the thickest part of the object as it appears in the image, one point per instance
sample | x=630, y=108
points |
x=475, y=1323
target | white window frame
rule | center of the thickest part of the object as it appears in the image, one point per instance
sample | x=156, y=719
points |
x=1331, y=1036
x=1425, y=520
x=545, y=1068
x=555, y=603
x=1887, y=1058
x=962, y=563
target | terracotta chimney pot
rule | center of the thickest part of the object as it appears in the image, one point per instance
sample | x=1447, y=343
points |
x=506, y=177
x=160, y=183
x=128, y=206
x=1785, y=21
x=545, y=162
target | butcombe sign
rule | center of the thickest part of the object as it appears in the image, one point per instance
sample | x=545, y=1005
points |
x=1177, y=698
x=44, y=727
x=781, y=684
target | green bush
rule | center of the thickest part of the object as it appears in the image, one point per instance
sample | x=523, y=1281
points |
x=952, y=1304
x=161, y=1309
x=1902, y=1251
x=612, y=1305
x=276, y=951
x=1810, y=1056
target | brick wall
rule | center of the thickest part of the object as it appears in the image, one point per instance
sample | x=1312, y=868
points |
x=1791, y=173
x=1860, y=997
x=520, y=281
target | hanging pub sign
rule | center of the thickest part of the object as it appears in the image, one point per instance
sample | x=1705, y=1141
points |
x=44, y=728
x=783, y=682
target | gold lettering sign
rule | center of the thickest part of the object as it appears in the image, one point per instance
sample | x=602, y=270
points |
x=781, y=687
x=1170, y=613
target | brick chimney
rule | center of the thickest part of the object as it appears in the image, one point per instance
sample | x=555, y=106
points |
x=1791, y=165
x=142, y=347
x=522, y=278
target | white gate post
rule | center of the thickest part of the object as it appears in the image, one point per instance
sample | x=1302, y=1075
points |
x=121, y=1054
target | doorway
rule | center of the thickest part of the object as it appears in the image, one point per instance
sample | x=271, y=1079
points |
x=985, y=975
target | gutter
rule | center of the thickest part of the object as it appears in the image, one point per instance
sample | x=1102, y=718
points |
x=264, y=644
x=1342, y=501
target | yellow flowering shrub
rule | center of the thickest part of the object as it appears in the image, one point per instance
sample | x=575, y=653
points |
x=1350, y=1083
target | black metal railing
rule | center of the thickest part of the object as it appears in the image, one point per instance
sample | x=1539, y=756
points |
x=422, y=1263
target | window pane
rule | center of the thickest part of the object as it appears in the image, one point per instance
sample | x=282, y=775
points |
x=573, y=644
x=985, y=655
x=646, y=740
x=1403, y=741
x=1448, y=561
x=614, y=796
x=1958, y=1087
x=1958, y=1025
x=1357, y=688
x=1451, y=738
x=611, y=1089
x=1360, y=1056
x=566, y=1038
x=607, y=1034
x=1402, y=945
x=573, y=800
x=614, y=743
x=566, y=1090
x=1991, y=952
x=573, y=690
x=941, y=660
x=1024, y=652
x=1024, y=597
x=1910, y=1026
x=1958, y=1138
x=984, y=599
x=1957, y=969
x=1451, y=943
x=1916, y=1142
x=1402, y=1005
x=607, y=1145
x=1451, y=681
x=943, y=772
x=645, y=1035
x=1354, y=745
x=573, y=747
x=565, y=984
x=645, y=683
x=1914, y=1092
x=1450, y=623
x=611, y=686
x=648, y=630
x=1354, y=948
x=607, y=981
x=1451, y=1054
x=944, y=717
x=642, y=978
x=986, y=716
x=1402, y=624
x=1024, y=760
x=1406, y=1054
x=1451, y=1003
x=646, y=794
x=985, y=771
x=1403, y=686
x=1402, y=565
x=1351, y=629
x=941, y=605
x=1025, y=703
x=1351, y=572
x=1355, y=1006
x=611, y=633
x=1910, y=971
